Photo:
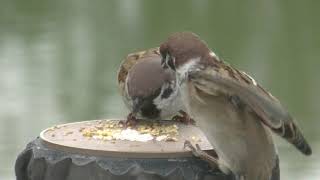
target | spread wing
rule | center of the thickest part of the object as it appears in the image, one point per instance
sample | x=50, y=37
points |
x=230, y=81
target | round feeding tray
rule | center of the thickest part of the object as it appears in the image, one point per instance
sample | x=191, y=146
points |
x=148, y=139
x=105, y=150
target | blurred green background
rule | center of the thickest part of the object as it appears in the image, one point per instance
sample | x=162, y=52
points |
x=59, y=59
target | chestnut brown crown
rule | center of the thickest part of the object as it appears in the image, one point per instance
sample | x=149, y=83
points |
x=182, y=47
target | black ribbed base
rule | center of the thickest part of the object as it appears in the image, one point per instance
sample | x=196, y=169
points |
x=37, y=162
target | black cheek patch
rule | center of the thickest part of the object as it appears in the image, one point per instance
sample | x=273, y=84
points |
x=166, y=93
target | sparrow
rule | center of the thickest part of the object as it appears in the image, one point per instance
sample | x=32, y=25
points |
x=148, y=90
x=236, y=114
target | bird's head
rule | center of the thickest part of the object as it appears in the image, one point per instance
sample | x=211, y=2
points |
x=182, y=49
x=146, y=82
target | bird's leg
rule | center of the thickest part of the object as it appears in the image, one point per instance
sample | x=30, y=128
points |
x=131, y=121
x=213, y=161
x=183, y=118
x=196, y=151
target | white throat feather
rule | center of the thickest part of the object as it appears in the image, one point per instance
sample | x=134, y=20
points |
x=182, y=72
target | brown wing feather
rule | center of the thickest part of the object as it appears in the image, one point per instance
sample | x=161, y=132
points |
x=267, y=107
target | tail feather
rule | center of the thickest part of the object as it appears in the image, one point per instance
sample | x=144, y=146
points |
x=292, y=134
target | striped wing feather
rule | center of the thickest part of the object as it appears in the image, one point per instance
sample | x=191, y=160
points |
x=267, y=107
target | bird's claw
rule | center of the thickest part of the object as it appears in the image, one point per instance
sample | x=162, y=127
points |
x=197, y=152
x=183, y=118
x=131, y=121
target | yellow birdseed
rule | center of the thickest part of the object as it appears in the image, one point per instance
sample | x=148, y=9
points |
x=144, y=131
